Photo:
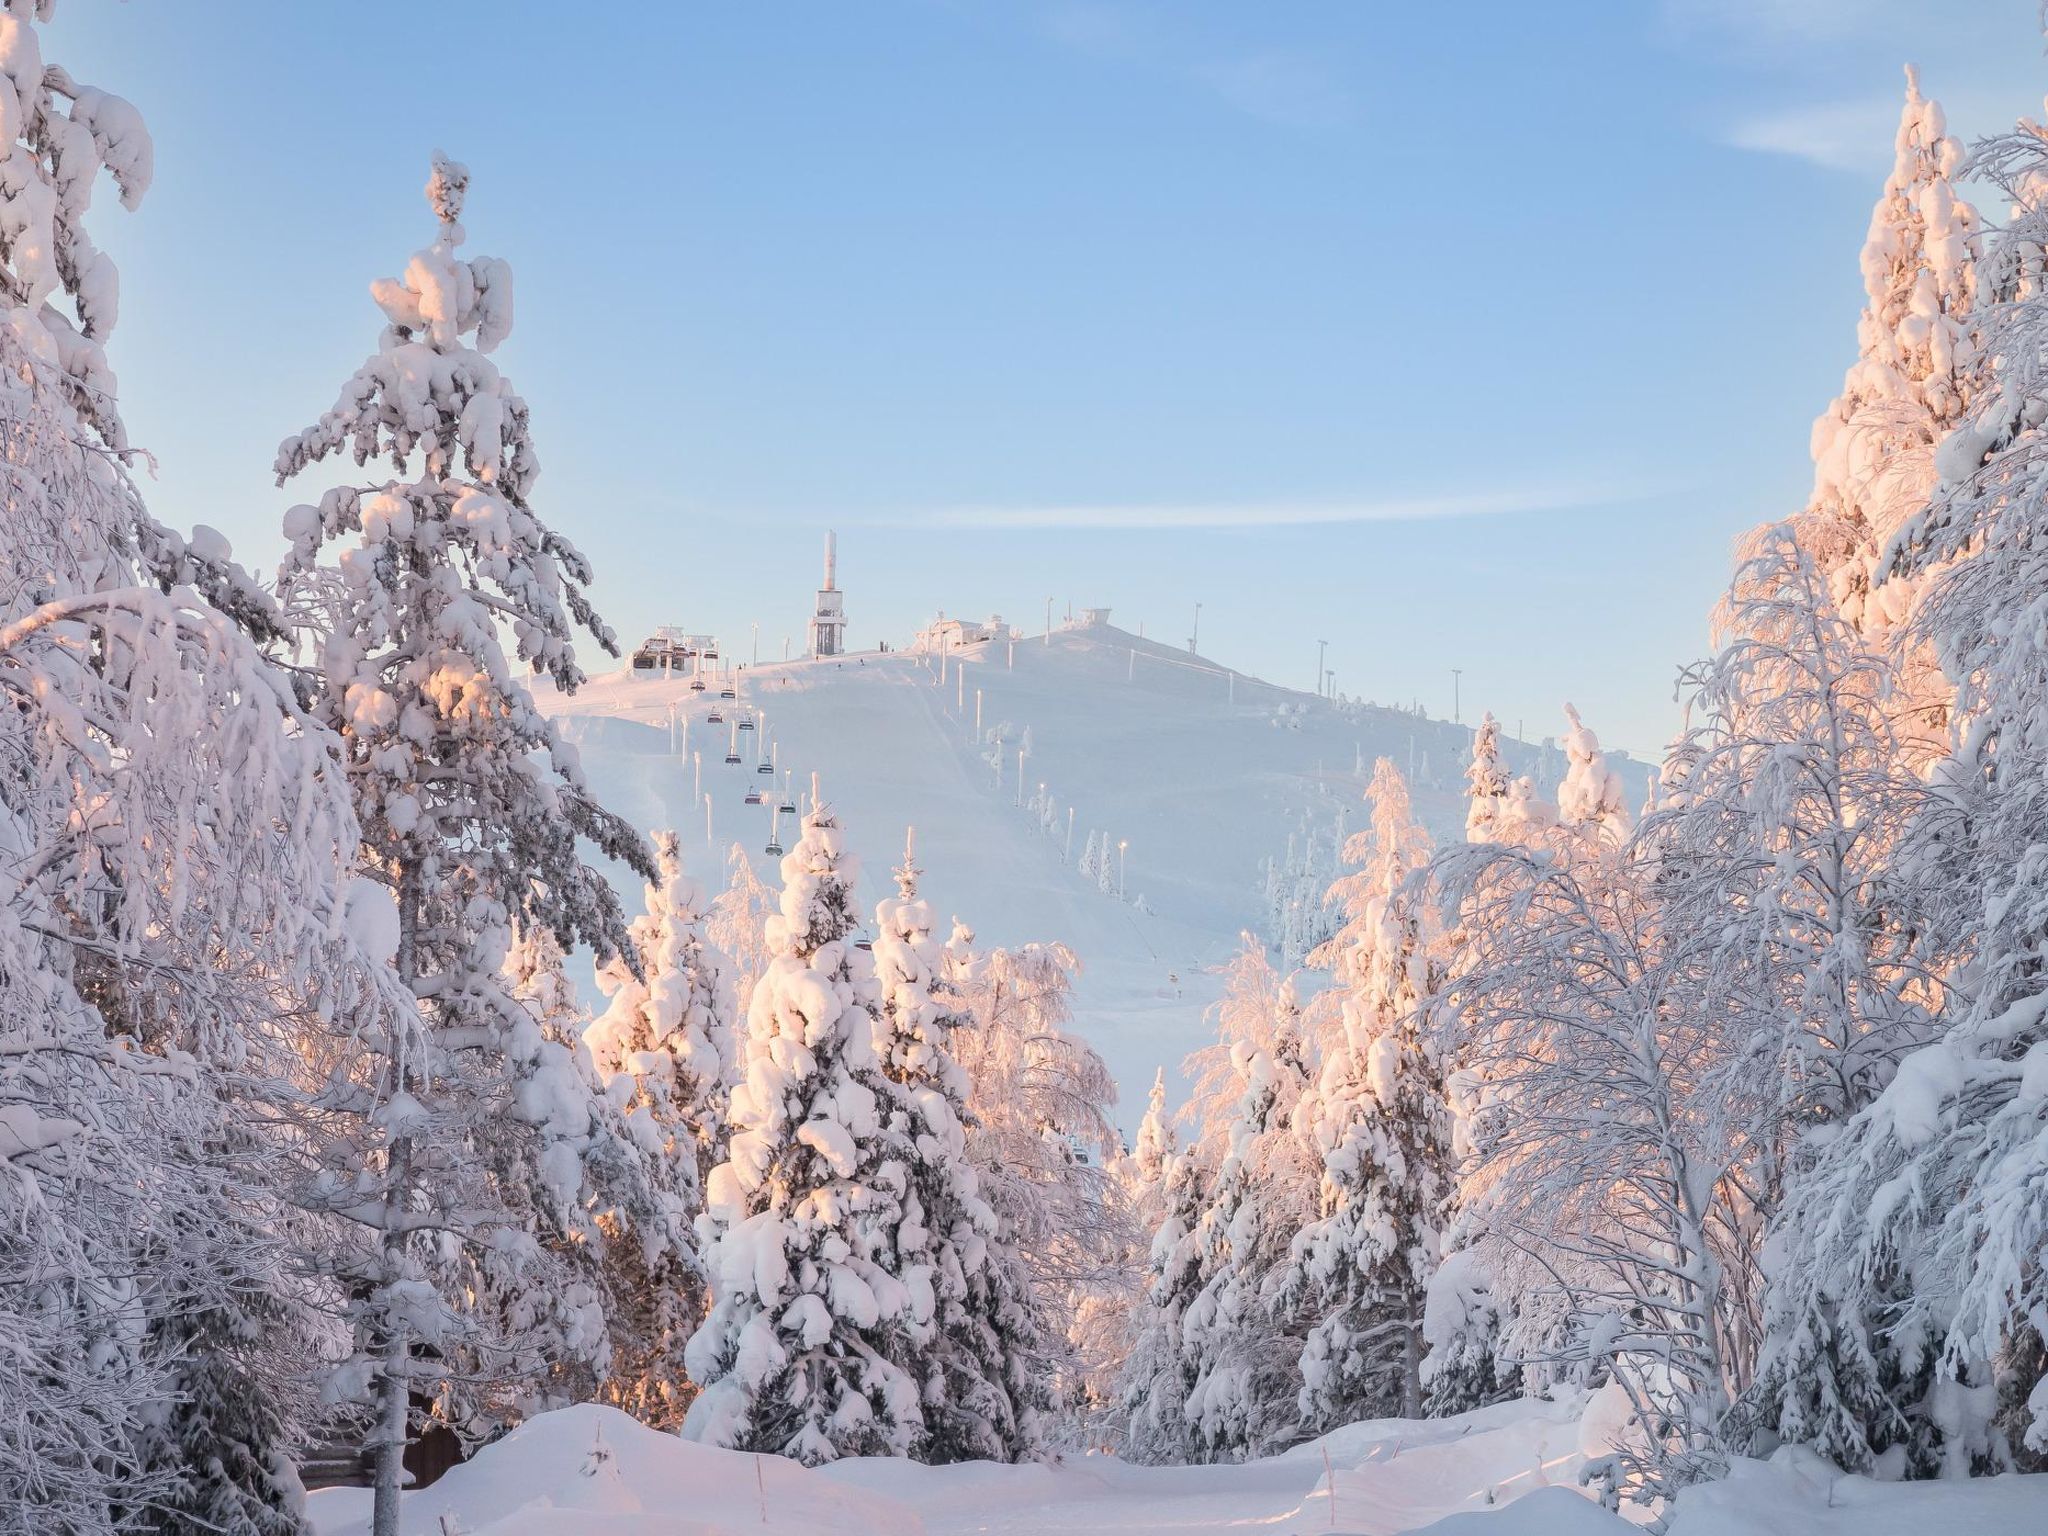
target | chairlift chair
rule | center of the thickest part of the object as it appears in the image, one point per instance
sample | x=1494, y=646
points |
x=754, y=797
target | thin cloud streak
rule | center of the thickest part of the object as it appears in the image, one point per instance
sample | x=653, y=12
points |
x=1840, y=136
x=1279, y=514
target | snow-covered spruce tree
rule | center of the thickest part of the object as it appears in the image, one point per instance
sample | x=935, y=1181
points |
x=1591, y=799
x=474, y=812
x=1361, y=1270
x=738, y=927
x=1299, y=918
x=663, y=1047
x=1925, y=1217
x=1486, y=783
x=1466, y=1327
x=1242, y=1343
x=814, y=1305
x=1918, y=369
x=1155, y=1382
x=1040, y=1137
x=983, y=1367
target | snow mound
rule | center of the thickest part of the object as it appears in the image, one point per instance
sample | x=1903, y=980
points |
x=1509, y=1470
x=1545, y=1512
x=594, y=1471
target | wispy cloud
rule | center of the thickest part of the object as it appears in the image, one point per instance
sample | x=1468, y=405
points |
x=1262, y=514
x=1276, y=85
x=1843, y=135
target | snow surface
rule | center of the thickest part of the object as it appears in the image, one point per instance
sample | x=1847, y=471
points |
x=1204, y=777
x=1509, y=1470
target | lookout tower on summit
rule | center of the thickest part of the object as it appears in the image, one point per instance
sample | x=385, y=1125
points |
x=828, y=623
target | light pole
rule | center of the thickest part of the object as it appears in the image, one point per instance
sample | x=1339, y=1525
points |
x=1331, y=675
x=1048, y=621
x=1456, y=717
x=1195, y=640
x=756, y=661
x=1321, y=646
x=1123, y=848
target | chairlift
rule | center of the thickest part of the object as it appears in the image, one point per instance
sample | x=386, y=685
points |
x=727, y=693
x=746, y=722
x=754, y=797
x=696, y=685
x=715, y=718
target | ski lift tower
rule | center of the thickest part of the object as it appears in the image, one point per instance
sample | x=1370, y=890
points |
x=828, y=623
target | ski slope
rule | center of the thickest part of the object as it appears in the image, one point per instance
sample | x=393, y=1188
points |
x=1510, y=1470
x=1202, y=772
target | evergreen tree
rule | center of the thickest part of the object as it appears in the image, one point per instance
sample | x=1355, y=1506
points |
x=1919, y=367
x=1243, y=1343
x=1486, y=783
x=1156, y=1380
x=813, y=1300
x=663, y=1047
x=474, y=812
x=982, y=1366
x=1362, y=1269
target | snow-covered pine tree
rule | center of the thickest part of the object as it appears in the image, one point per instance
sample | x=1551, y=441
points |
x=738, y=928
x=982, y=1366
x=1243, y=1345
x=813, y=1303
x=1486, y=783
x=663, y=1046
x=1592, y=797
x=473, y=808
x=1918, y=369
x=1361, y=1270
x=1155, y=1381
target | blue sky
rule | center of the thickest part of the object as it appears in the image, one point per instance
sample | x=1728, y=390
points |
x=1459, y=335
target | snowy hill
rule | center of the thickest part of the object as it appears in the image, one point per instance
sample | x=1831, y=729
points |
x=1510, y=1470
x=1204, y=773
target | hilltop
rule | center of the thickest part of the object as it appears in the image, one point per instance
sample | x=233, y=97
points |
x=1202, y=771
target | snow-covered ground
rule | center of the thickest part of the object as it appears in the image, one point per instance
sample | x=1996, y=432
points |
x=1505, y=1471
x=1203, y=774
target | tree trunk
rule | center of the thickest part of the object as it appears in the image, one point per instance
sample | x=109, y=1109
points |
x=394, y=1403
